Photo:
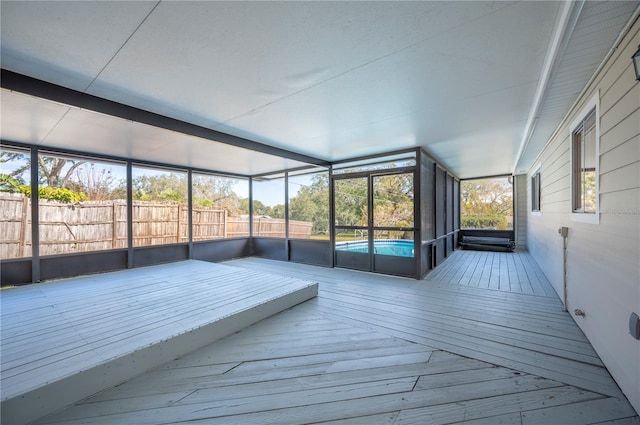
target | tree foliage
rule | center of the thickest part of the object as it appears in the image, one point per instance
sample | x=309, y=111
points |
x=10, y=184
x=13, y=157
x=351, y=203
x=259, y=208
x=74, y=180
x=207, y=191
x=587, y=191
x=392, y=205
x=393, y=200
x=44, y=192
x=486, y=203
x=60, y=194
x=312, y=204
x=160, y=187
x=213, y=191
x=59, y=178
x=492, y=222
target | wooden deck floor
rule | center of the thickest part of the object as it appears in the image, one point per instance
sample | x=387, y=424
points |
x=63, y=341
x=513, y=272
x=374, y=349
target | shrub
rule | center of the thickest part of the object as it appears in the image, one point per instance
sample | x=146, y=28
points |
x=493, y=222
x=60, y=194
x=9, y=184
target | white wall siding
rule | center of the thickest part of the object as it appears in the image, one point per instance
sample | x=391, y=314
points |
x=603, y=260
x=521, y=207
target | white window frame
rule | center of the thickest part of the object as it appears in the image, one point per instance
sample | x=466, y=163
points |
x=537, y=212
x=593, y=103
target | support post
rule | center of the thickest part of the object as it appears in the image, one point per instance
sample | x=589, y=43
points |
x=35, y=218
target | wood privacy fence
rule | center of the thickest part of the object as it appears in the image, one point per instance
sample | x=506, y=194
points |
x=99, y=225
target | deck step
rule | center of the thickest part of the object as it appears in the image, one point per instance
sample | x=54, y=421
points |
x=64, y=341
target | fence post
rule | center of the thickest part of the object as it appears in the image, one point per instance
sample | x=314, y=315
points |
x=179, y=222
x=23, y=226
x=114, y=229
x=224, y=224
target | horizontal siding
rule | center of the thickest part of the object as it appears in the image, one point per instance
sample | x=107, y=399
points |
x=620, y=156
x=626, y=201
x=603, y=277
x=627, y=105
x=522, y=206
x=620, y=179
x=623, y=131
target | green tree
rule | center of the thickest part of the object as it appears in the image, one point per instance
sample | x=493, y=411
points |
x=393, y=200
x=486, y=203
x=259, y=208
x=351, y=202
x=277, y=211
x=588, y=191
x=12, y=157
x=217, y=192
x=9, y=184
x=80, y=179
x=311, y=203
x=160, y=187
x=55, y=180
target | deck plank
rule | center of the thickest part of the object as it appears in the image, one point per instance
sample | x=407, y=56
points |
x=504, y=271
x=566, y=370
x=580, y=413
x=506, y=419
x=82, y=335
x=482, y=409
x=484, y=343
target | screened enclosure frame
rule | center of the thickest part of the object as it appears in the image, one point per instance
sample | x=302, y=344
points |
x=366, y=258
x=430, y=245
x=509, y=233
x=428, y=250
x=129, y=257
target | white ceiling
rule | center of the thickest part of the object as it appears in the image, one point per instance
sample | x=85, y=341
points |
x=332, y=80
x=42, y=122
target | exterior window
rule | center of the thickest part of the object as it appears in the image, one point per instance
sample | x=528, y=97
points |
x=535, y=191
x=584, y=164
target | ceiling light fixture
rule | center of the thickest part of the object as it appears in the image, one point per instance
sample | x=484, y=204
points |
x=636, y=63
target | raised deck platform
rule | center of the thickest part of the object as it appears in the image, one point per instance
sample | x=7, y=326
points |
x=63, y=341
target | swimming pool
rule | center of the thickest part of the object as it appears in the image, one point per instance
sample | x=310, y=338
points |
x=397, y=247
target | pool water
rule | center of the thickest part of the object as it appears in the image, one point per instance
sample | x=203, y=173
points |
x=397, y=247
